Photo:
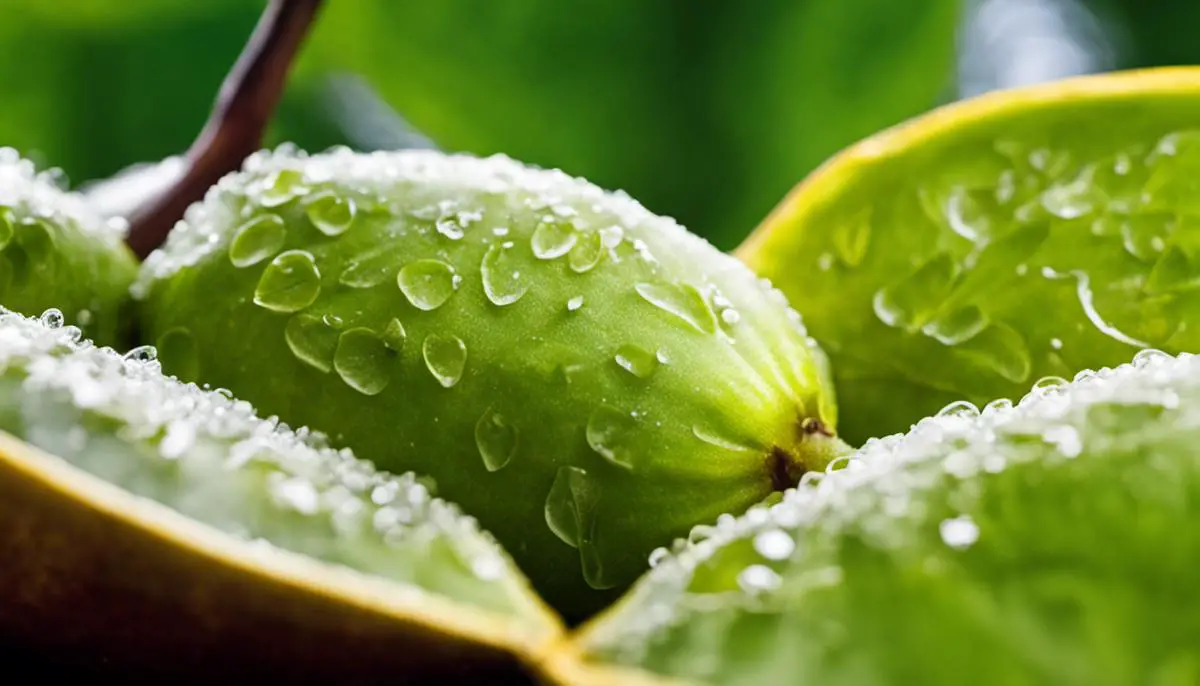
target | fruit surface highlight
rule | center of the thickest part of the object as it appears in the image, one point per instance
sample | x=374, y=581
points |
x=150, y=524
x=1002, y=239
x=1047, y=543
x=586, y=378
x=57, y=252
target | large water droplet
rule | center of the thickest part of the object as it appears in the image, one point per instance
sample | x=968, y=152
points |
x=179, y=354
x=427, y=284
x=290, y=282
x=257, y=240
x=281, y=186
x=570, y=505
x=911, y=301
x=331, y=214
x=610, y=433
x=311, y=340
x=52, y=318
x=363, y=361
x=445, y=357
x=1083, y=291
x=993, y=267
x=394, y=335
x=371, y=268
x=998, y=349
x=851, y=239
x=501, y=275
x=637, y=361
x=682, y=300
x=142, y=353
x=496, y=440
x=956, y=327
x=972, y=213
x=586, y=254
x=552, y=240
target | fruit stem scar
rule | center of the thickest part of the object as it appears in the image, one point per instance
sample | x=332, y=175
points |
x=817, y=447
x=234, y=130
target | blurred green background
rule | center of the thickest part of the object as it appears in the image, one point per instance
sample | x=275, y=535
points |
x=706, y=111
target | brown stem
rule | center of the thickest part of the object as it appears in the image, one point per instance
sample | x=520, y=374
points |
x=235, y=128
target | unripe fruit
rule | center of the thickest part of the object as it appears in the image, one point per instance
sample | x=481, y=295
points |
x=1053, y=542
x=586, y=378
x=57, y=252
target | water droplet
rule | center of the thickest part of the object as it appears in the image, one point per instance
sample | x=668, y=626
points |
x=774, y=544
x=758, y=579
x=959, y=532
x=52, y=318
x=142, y=353
x=496, y=440
x=1056, y=343
x=637, y=361
x=363, y=361
x=570, y=504
x=993, y=267
x=290, y=282
x=970, y=213
x=552, y=240
x=450, y=228
x=911, y=301
x=998, y=349
x=610, y=433
x=1065, y=438
x=502, y=282
x=179, y=354
x=427, y=284
x=394, y=335
x=1084, y=292
x=998, y=405
x=1144, y=236
x=331, y=214
x=587, y=252
x=1074, y=199
x=1149, y=357
x=851, y=239
x=445, y=357
x=575, y=303
x=956, y=327
x=1049, y=383
x=257, y=240
x=713, y=437
x=1171, y=272
x=611, y=236
x=371, y=268
x=960, y=409
x=281, y=186
x=682, y=300
x=311, y=340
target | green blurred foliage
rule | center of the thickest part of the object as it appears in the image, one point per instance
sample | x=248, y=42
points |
x=707, y=111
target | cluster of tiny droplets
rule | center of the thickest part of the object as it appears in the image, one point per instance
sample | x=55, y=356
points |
x=40, y=194
x=960, y=441
x=308, y=477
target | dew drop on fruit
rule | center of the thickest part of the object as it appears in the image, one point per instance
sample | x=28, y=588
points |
x=445, y=357
x=586, y=253
x=1149, y=357
x=427, y=284
x=331, y=214
x=610, y=432
x=682, y=300
x=496, y=440
x=371, y=268
x=179, y=354
x=290, y=282
x=957, y=326
x=281, y=186
x=394, y=335
x=570, y=504
x=501, y=275
x=575, y=303
x=999, y=350
x=1083, y=292
x=774, y=544
x=713, y=437
x=959, y=532
x=1144, y=236
x=311, y=340
x=637, y=361
x=52, y=318
x=960, y=409
x=257, y=240
x=363, y=361
x=912, y=300
x=552, y=240
x=1049, y=383
x=758, y=579
x=142, y=353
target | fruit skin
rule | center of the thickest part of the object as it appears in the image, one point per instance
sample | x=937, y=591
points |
x=631, y=421
x=57, y=252
x=1050, y=543
x=1021, y=234
x=150, y=528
